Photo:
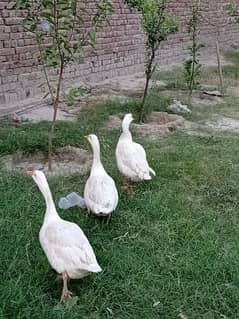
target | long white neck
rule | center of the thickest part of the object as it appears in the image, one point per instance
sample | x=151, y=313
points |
x=125, y=127
x=50, y=206
x=96, y=156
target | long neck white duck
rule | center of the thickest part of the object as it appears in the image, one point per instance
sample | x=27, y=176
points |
x=95, y=144
x=100, y=193
x=41, y=181
x=128, y=118
x=130, y=156
x=64, y=243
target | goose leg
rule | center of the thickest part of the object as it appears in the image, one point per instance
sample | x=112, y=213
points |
x=131, y=188
x=128, y=185
x=66, y=294
x=108, y=219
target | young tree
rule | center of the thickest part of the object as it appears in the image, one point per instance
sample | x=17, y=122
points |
x=61, y=32
x=218, y=25
x=157, y=25
x=192, y=66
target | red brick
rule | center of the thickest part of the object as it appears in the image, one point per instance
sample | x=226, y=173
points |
x=7, y=51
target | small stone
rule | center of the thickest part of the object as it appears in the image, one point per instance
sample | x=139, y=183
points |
x=178, y=107
x=156, y=303
x=45, y=25
x=213, y=93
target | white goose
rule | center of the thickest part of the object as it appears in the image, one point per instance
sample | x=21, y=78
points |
x=130, y=156
x=100, y=194
x=64, y=243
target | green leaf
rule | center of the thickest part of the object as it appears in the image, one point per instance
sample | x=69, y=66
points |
x=48, y=16
x=40, y=38
x=22, y=5
x=74, y=7
x=80, y=20
x=48, y=3
x=92, y=37
x=83, y=10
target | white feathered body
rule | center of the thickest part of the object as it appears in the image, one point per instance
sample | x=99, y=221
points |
x=131, y=159
x=100, y=194
x=67, y=248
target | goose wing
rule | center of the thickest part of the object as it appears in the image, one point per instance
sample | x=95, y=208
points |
x=67, y=247
x=134, y=157
x=102, y=194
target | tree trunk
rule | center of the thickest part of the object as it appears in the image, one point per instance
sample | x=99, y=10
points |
x=149, y=72
x=191, y=84
x=55, y=105
x=192, y=80
x=144, y=97
x=46, y=75
x=219, y=66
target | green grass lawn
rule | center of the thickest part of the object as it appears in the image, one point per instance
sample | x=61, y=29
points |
x=171, y=250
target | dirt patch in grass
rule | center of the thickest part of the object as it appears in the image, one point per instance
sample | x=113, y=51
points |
x=158, y=123
x=198, y=97
x=224, y=124
x=202, y=98
x=67, y=160
x=128, y=85
x=45, y=113
x=234, y=91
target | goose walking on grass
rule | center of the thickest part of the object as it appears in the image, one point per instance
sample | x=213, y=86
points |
x=100, y=194
x=130, y=156
x=64, y=243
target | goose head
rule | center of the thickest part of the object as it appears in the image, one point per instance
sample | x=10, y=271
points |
x=40, y=179
x=93, y=140
x=128, y=118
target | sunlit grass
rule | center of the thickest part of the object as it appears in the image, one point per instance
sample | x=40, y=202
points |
x=171, y=249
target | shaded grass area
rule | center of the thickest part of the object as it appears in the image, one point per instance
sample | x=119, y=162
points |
x=29, y=138
x=170, y=250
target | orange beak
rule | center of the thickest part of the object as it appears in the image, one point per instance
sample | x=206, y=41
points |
x=30, y=173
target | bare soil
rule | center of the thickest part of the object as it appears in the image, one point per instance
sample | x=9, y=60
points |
x=224, y=124
x=67, y=160
x=198, y=97
x=158, y=123
x=202, y=98
x=45, y=113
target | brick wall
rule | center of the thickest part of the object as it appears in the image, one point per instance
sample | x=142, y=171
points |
x=119, y=48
